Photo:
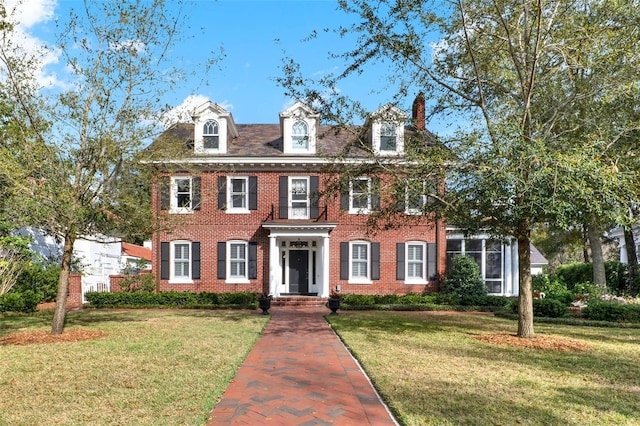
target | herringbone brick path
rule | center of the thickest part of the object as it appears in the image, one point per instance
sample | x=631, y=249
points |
x=300, y=373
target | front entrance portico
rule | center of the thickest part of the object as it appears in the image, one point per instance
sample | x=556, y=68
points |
x=299, y=258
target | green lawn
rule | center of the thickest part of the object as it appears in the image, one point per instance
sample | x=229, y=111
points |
x=153, y=367
x=431, y=370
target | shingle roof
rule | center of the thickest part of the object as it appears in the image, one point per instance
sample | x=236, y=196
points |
x=265, y=140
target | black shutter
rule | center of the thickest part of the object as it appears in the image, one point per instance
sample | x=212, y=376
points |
x=344, y=196
x=195, y=260
x=253, y=193
x=222, y=260
x=164, y=261
x=222, y=192
x=375, y=193
x=400, y=261
x=375, y=261
x=432, y=268
x=253, y=260
x=165, y=193
x=344, y=261
x=284, y=197
x=314, y=185
x=195, y=202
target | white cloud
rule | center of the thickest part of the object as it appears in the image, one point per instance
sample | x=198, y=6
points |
x=26, y=15
x=182, y=113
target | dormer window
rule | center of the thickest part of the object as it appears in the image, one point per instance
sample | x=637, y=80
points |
x=300, y=136
x=388, y=137
x=387, y=131
x=299, y=126
x=211, y=135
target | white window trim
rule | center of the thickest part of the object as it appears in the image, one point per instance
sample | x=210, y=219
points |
x=502, y=279
x=173, y=279
x=237, y=279
x=174, y=195
x=237, y=210
x=414, y=280
x=360, y=210
x=360, y=280
x=377, y=137
x=413, y=211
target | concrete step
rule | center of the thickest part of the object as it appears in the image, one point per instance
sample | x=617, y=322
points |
x=298, y=301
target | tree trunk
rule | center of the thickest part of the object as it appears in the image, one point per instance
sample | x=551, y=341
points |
x=597, y=258
x=525, y=298
x=63, y=286
x=632, y=260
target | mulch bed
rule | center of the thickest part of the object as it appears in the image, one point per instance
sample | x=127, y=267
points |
x=543, y=342
x=37, y=337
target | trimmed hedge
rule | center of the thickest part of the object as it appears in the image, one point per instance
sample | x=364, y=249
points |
x=26, y=301
x=173, y=299
x=611, y=311
x=420, y=301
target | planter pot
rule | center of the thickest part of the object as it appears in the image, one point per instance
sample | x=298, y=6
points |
x=334, y=305
x=264, y=304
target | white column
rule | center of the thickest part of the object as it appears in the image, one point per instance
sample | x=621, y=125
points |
x=324, y=279
x=274, y=266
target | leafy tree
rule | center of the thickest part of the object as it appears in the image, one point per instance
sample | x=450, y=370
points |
x=72, y=149
x=531, y=80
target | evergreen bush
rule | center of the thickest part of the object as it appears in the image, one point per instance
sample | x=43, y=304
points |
x=464, y=278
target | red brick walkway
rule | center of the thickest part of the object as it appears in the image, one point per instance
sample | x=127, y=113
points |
x=300, y=373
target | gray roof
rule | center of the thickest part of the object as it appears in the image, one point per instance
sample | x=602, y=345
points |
x=536, y=257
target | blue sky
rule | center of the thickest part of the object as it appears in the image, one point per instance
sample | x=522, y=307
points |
x=255, y=35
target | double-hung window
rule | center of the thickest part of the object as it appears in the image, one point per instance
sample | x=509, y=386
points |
x=211, y=135
x=388, y=137
x=300, y=136
x=299, y=200
x=360, y=195
x=181, y=194
x=415, y=196
x=238, y=194
x=237, y=258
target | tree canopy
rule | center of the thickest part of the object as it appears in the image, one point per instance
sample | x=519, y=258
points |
x=544, y=92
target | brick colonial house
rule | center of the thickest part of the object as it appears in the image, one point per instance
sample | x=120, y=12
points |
x=245, y=214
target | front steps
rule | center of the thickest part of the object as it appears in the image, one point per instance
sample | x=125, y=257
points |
x=298, y=301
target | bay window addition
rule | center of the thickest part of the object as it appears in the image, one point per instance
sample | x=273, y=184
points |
x=211, y=135
x=300, y=136
x=489, y=256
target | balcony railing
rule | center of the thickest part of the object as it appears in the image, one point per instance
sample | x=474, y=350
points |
x=289, y=212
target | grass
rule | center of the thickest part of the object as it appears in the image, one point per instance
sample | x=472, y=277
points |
x=153, y=367
x=430, y=370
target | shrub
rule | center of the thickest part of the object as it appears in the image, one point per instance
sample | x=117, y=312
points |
x=464, y=278
x=141, y=283
x=552, y=288
x=611, y=311
x=171, y=299
x=549, y=308
x=26, y=301
x=40, y=278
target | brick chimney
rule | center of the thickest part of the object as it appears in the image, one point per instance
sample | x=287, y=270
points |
x=418, y=111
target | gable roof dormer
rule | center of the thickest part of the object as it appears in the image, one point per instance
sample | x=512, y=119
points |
x=299, y=129
x=214, y=129
x=387, y=130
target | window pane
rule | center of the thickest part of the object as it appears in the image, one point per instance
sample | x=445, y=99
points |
x=181, y=260
x=388, y=137
x=494, y=265
x=183, y=193
x=211, y=135
x=300, y=135
x=360, y=194
x=237, y=260
x=238, y=193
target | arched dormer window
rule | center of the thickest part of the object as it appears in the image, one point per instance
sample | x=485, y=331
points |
x=300, y=136
x=211, y=135
x=388, y=137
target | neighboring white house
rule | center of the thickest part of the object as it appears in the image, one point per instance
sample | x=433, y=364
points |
x=498, y=260
x=96, y=257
